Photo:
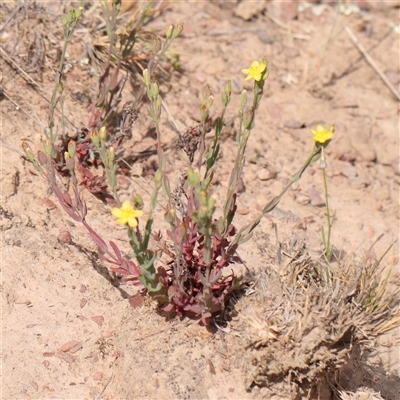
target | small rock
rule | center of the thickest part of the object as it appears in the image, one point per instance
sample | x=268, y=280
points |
x=393, y=77
x=49, y=204
x=46, y=364
x=67, y=357
x=83, y=302
x=200, y=77
x=370, y=232
x=247, y=9
x=274, y=111
x=82, y=289
x=293, y=124
x=99, y=319
x=396, y=165
x=349, y=171
x=348, y=157
x=72, y=347
x=123, y=182
x=64, y=237
x=302, y=199
x=345, y=102
x=136, y=301
x=283, y=10
x=243, y=211
x=240, y=187
x=97, y=376
x=265, y=174
x=48, y=354
x=316, y=198
x=34, y=385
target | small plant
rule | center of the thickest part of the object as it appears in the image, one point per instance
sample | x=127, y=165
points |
x=196, y=280
x=322, y=136
x=203, y=246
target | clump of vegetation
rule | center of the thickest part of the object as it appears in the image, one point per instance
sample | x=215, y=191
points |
x=308, y=316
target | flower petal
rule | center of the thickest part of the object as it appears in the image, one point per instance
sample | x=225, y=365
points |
x=116, y=212
x=122, y=221
x=126, y=206
x=132, y=222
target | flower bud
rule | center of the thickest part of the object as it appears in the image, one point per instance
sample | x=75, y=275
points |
x=78, y=12
x=248, y=119
x=206, y=93
x=94, y=137
x=158, y=106
x=69, y=161
x=158, y=178
x=170, y=216
x=154, y=90
x=42, y=158
x=111, y=155
x=228, y=88
x=177, y=31
x=48, y=147
x=169, y=32
x=193, y=177
x=137, y=201
x=28, y=152
x=204, y=113
x=72, y=148
x=146, y=77
x=102, y=133
x=209, y=101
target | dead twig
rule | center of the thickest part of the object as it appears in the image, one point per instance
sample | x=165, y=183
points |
x=105, y=387
x=372, y=62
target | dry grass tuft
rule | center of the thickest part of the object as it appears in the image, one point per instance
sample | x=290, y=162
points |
x=361, y=394
x=308, y=315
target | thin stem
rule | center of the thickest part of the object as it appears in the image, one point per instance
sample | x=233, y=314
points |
x=328, y=248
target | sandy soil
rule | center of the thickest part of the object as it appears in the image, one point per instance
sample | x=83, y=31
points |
x=67, y=332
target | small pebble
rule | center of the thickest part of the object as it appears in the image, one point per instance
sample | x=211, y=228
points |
x=370, y=232
x=265, y=174
x=99, y=319
x=302, y=199
x=64, y=237
x=396, y=165
x=349, y=171
x=98, y=376
x=316, y=198
x=73, y=346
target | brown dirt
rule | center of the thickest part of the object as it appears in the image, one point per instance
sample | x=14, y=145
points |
x=66, y=331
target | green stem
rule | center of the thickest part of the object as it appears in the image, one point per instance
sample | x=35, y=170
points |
x=328, y=248
x=245, y=232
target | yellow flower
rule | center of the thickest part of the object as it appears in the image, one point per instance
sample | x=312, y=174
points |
x=255, y=71
x=322, y=135
x=127, y=214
